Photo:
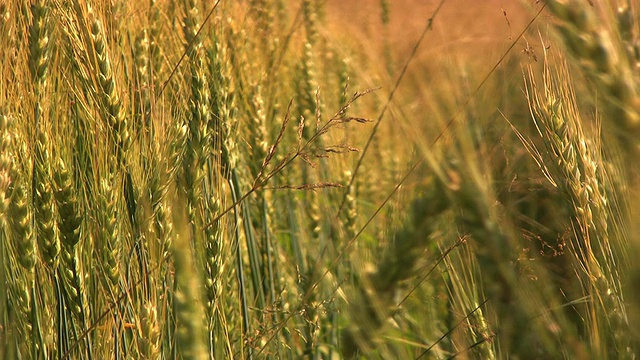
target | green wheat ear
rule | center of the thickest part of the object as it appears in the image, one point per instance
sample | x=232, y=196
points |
x=149, y=332
x=112, y=104
x=198, y=140
x=22, y=221
x=5, y=163
x=110, y=237
x=238, y=243
x=577, y=168
x=69, y=226
x=48, y=241
x=39, y=34
x=596, y=49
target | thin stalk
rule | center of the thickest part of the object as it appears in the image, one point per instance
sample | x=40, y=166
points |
x=240, y=270
x=254, y=257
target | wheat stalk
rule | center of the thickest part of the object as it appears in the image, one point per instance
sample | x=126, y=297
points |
x=39, y=44
x=69, y=270
x=380, y=287
x=22, y=221
x=48, y=241
x=143, y=80
x=22, y=283
x=110, y=237
x=155, y=50
x=597, y=51
x=5, y=163
x=579, y=172
x=199, y=117
x=149, y=332
x=190, y=333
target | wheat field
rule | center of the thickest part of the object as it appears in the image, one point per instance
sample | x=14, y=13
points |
x=321, y=179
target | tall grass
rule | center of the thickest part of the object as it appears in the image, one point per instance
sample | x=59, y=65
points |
x=183, y=179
